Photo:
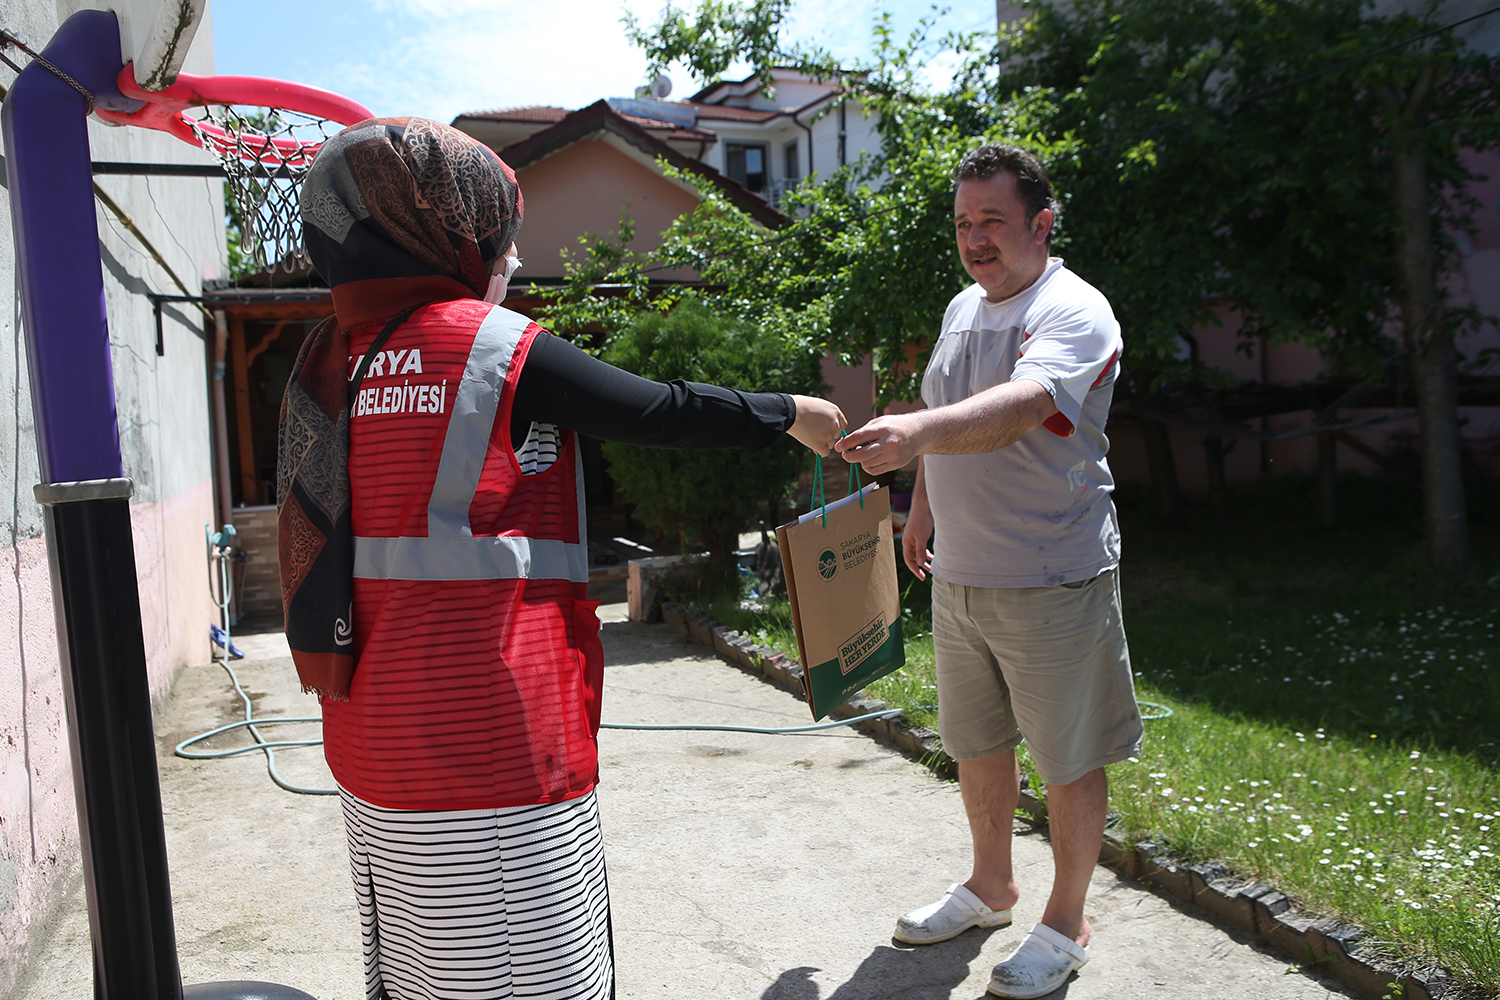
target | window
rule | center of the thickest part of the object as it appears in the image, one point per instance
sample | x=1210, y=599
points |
x=746, y=163
x=789, y=151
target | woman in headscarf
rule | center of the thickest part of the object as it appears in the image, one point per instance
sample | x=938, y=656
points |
x=434, y=567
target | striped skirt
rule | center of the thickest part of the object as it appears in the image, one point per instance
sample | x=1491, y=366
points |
x=482, y=904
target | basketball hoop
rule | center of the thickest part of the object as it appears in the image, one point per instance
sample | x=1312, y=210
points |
x=265, y=133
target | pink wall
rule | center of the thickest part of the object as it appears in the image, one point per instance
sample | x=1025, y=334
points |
x=852, y=388
x=38, y=825
x=585, y=188
x=39, y=859
x=172, y=572
x=1220, y=346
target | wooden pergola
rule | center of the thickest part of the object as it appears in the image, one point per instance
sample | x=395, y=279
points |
x=256, y=320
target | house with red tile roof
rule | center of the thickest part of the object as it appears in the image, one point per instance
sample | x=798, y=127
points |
x=580, y=170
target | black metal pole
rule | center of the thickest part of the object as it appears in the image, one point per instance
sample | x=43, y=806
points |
x=107, y=695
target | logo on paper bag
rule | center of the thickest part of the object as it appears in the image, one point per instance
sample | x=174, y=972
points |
x=857, y=649
x=828, y=564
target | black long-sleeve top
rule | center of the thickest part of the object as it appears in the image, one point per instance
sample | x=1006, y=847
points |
x=564, y=386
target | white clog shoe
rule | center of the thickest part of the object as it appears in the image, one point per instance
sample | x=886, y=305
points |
x=1041, y=963
x=956, y=912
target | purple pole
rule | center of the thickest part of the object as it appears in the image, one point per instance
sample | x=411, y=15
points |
x=62, y=282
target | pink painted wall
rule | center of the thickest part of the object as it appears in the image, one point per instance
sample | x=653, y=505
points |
x=172, y=573
x=586, y=188
x=39, y=852
x=1220, y=346
x=852, y=388
x=38, y=825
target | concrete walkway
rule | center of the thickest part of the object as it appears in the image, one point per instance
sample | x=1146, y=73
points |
x=741, y=867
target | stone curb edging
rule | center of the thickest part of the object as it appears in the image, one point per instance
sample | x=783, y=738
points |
x=1335, y=948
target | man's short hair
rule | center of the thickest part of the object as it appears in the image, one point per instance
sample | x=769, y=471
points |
x=1032, y=183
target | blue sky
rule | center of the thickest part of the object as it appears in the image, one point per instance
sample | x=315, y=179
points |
x=437, y=58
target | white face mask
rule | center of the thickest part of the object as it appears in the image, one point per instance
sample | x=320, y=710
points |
x=500, y=282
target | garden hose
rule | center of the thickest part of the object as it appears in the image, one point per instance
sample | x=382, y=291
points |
x=889, y=713
x=252, y=725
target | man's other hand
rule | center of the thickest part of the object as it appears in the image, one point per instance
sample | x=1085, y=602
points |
x=916, y=535
x=818, y=424
x=882, y=445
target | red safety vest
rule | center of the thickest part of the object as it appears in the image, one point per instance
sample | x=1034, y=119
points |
x=479, y=668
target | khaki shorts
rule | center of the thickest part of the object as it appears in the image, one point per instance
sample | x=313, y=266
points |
x=1045, y=664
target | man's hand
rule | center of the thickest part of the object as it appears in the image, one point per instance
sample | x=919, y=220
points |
x=884, y=444
x=917, y=533
x=818, y=424
x=996, y=417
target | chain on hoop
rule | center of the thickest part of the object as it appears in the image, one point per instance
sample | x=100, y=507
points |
x=265, y=153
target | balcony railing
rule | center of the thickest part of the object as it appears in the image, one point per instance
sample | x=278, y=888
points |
x=779, y=189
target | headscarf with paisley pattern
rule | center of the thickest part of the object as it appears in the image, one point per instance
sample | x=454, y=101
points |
x=399, y=211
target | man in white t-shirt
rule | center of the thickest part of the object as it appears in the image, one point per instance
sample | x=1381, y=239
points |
x=1026, y=609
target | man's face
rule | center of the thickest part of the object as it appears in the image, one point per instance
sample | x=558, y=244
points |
x=999, y=250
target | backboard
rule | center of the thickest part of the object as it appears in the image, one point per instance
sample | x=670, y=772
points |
x=154, y=34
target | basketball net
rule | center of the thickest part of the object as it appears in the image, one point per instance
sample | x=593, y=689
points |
x=265, y=134
x=265, y=153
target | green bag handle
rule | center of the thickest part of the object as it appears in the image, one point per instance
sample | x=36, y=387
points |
x=820, y=498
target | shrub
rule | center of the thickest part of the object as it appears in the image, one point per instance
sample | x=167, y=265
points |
x=708, y=497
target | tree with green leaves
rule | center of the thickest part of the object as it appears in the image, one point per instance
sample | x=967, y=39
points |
x=241, y=264
x=865, y=264
x=1436, y=101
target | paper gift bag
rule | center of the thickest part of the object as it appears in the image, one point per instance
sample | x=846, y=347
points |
x=840, y=566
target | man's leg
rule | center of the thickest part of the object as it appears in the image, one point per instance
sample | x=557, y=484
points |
x=978, y=728
x=1075, y=818
x=991, y=788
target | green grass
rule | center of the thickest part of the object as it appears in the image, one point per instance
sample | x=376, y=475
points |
x=1337, y=726
x=1401, y=841
x=1337, y=707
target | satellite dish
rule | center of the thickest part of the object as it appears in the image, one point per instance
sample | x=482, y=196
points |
x=661, y=86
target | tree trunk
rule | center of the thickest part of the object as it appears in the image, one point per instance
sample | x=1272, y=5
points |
x=723, y=566
x=1165, y=495
x=1436, y=377
x=1428, y=341
x=1327, y=466
x=1218, y=483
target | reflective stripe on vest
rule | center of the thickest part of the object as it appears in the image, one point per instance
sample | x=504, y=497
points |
x=475, y=402
x=502, y=557
x=450, y=551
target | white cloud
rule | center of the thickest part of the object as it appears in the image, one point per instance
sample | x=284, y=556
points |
x=468, y=55
x=439, y=58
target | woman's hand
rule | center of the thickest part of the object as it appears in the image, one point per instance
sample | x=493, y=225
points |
x=818, y=424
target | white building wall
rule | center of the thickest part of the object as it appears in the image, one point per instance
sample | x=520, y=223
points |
x=163, y=413
x=859, y=136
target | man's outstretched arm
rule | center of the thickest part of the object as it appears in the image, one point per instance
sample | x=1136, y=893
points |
x=992, y=419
